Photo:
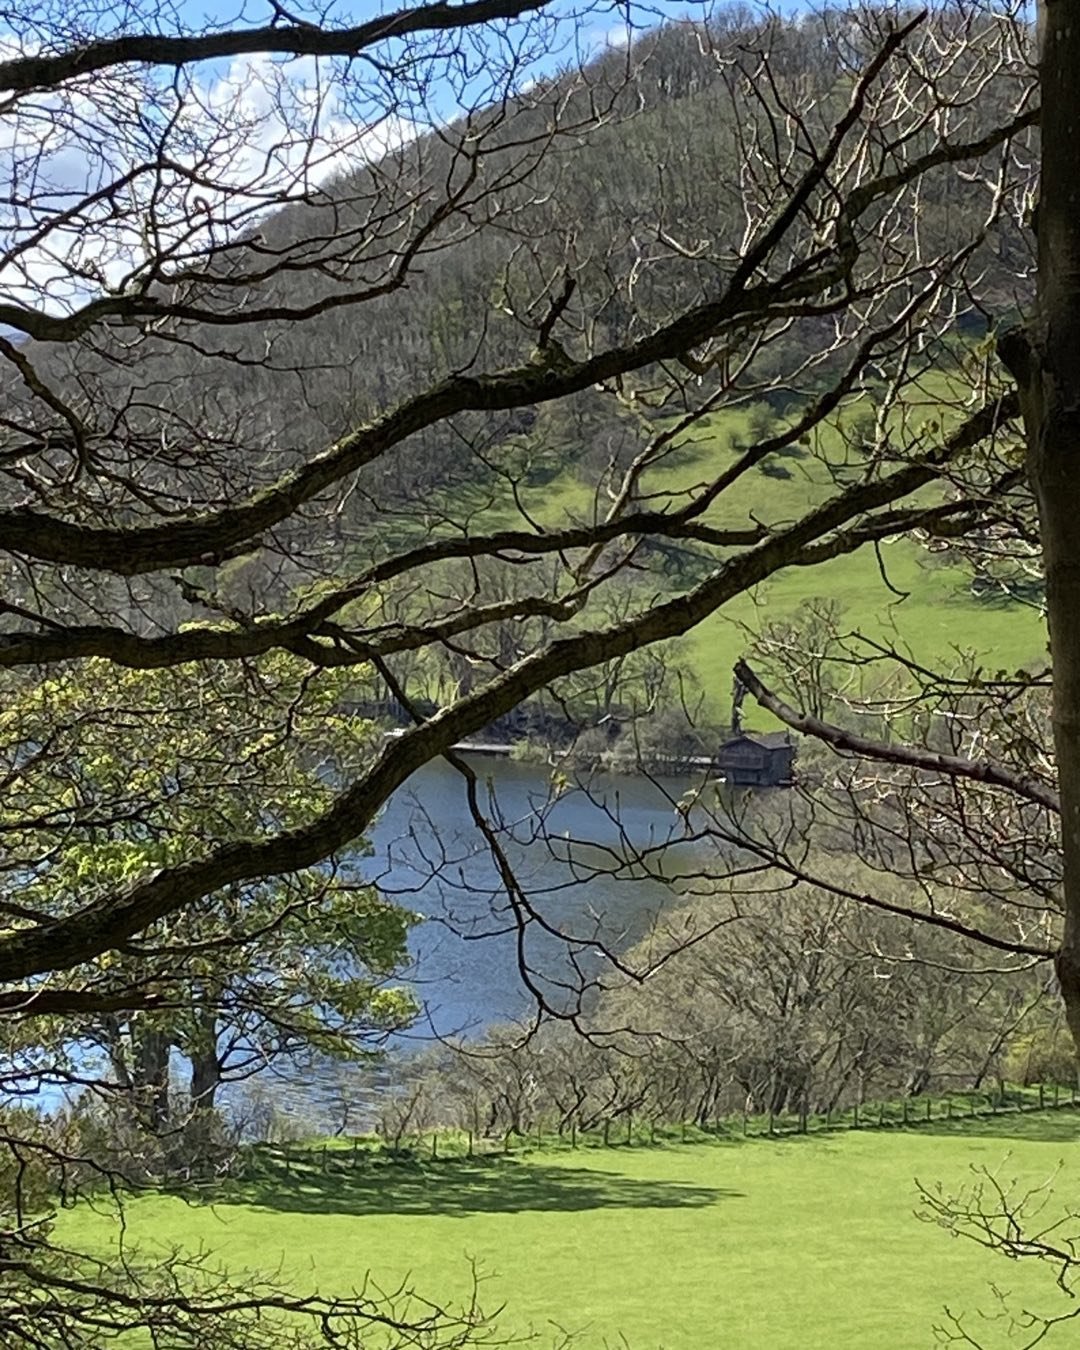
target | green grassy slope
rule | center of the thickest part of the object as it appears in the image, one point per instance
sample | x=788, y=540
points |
x=938, y=624
x=908, y=598
x=788, y=1245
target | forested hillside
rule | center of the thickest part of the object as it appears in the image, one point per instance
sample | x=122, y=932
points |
x=635, y=176
x=608, y=198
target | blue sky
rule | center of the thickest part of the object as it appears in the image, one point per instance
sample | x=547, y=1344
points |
x=584, y=28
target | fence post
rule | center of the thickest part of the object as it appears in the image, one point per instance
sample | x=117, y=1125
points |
x=1042, y=1096
x=573, y=1134
x=470, y=1143
x=434, y=1144
x=905, y=1108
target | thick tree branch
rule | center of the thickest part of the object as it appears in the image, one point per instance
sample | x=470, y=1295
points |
x=953, y=766
x=863, y=897
x=108, y=923
x=130, y=551
x=213, y=643
x=46, y=1002
x=209, y=643
x=48, y=70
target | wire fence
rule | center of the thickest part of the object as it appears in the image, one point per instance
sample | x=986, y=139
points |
x=625, y=1130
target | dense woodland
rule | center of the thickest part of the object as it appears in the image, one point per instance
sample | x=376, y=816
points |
x=572, y=175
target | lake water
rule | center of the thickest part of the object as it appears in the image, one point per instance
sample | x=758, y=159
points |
x=574, y=854
x=595, y=865
x=578, y=857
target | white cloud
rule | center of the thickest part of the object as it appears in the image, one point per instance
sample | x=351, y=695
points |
x=112, y=171
x=117, y=169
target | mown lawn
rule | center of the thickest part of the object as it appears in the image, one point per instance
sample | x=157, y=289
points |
x=798, y=1244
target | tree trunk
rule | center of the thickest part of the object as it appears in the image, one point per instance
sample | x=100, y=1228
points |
x=205, y=1079
x=151, y=1076
x=1046, y=363
x=205, y=1065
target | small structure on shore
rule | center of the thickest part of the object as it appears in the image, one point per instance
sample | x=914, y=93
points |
x=757, y=758
x=742, y=758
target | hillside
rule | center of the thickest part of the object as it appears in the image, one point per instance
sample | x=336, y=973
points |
x=642, y=153
x=622, y=173
x=926, y=604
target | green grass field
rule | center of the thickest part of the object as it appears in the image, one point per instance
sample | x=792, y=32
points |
x=908, y=599
x=796, y=1244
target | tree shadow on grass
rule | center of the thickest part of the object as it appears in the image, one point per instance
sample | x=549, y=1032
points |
x=454, y=1188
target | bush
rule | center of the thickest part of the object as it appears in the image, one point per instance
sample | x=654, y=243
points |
x=1044, y=1055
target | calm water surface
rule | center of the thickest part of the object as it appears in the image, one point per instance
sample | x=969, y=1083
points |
x=573, y=854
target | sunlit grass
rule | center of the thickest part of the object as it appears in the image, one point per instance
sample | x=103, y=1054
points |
x=798, y=1244
x=900, y=594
